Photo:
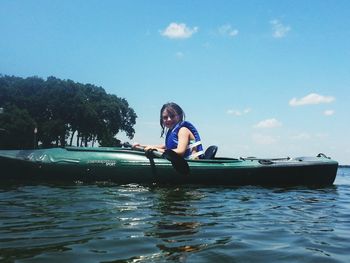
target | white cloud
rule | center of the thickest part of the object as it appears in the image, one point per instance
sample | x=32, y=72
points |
x=264, y=139
x=279, y=30
x=328, y=112
x=227, y=30
x=179, y=55
x=312, y=98
x=178, y=31
x=239, y=113
x=322, y=136
x=269, y=123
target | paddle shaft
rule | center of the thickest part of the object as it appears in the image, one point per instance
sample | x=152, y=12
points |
x=177, y=161
x=142, y=149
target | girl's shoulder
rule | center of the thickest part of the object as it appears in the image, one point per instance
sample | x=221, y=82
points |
x=184, y=130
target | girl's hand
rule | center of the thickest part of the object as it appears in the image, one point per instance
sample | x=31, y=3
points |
x=136, y=145
x=148, y=147
x=144, y=147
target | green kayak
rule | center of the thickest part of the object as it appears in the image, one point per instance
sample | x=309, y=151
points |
x=123, y=165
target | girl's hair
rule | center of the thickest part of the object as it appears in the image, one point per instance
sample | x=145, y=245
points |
x=173, y=109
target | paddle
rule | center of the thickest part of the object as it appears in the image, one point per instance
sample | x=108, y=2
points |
x=177, y=161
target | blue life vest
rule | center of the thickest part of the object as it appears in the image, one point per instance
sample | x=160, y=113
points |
x=172, y=140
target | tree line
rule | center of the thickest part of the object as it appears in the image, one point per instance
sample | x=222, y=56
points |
x=55, y=112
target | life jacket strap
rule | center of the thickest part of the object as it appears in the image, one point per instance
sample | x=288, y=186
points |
x=195, y=155
x=195, y=144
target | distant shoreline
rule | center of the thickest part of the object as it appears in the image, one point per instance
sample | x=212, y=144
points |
x=344, y=166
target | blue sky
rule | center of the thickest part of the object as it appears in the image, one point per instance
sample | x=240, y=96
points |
x=257, y=78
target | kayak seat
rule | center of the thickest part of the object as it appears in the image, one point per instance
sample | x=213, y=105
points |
x=210, y=152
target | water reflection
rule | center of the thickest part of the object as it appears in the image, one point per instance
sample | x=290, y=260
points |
x=176, y=234
x=133, y=223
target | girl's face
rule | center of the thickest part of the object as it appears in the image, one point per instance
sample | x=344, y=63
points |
x=170, y=118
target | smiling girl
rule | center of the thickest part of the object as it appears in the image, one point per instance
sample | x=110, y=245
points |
x=180, y=135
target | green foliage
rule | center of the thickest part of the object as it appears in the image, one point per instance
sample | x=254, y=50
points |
x=17, y=128
x=60, y=109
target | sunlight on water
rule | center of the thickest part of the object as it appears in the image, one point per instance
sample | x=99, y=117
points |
x=133, y=223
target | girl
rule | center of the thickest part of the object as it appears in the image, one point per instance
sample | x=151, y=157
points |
x=181, y=136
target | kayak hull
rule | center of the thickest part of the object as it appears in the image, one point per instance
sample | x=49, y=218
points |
x=128, y=166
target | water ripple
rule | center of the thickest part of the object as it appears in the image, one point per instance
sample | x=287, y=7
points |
x=133, y=223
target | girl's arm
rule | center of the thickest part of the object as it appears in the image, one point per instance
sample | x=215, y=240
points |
x=160, y=147
x=184, y=137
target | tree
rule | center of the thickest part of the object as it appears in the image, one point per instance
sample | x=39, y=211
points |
x=63, y=110
x=17, y=128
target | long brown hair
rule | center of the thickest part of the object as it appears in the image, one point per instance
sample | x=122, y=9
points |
x=172, y=108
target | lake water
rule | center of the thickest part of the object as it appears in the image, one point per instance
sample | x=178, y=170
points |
x=133, y=223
